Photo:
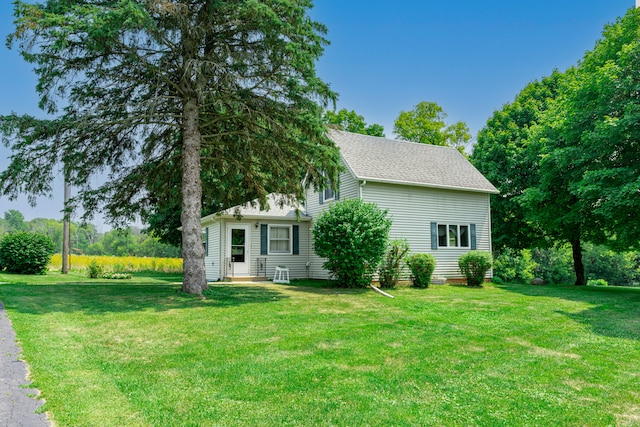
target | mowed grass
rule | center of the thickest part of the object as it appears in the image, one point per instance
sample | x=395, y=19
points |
x=274, y=355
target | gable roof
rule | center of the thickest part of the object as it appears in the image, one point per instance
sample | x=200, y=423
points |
x=385, y=160
x=279, y=207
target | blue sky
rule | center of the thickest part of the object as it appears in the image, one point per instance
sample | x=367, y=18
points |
x=469, y=56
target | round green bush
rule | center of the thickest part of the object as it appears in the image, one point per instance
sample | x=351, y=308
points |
x=422, y=267
x=597, y=282
x=352, y=235
x=474, y=266
x=26, y=253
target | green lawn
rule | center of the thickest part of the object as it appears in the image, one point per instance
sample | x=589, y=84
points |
x=143, y=354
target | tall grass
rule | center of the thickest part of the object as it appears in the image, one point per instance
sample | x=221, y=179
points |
x=128, y=264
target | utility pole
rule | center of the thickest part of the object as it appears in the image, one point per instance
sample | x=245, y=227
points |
x=66, y=232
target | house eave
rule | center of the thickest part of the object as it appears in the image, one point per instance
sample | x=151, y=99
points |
x=211, y=219
x=426, y=185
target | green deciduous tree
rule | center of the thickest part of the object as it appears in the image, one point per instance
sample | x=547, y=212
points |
x=352, y=235
x=15, y=221
x=425, y=123
x=589, y=189
x=220, y=91
x=583, y=149
x=599, y=133
x=506, y=156
x=351, y=121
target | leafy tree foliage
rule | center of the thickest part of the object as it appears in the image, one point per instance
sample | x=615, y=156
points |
x=599, y=134
x=25, y=253
x=352, y=235
x=14, y=221
x=514, y=266
x=583, y=149
x=85, y=239
x=589, y=187
x=425, y=123
x=351, y=121
x=506, y=156
x=220, y=91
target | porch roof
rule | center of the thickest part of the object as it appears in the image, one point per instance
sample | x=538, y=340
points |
x=279, y=207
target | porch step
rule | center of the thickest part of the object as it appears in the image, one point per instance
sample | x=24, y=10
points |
x=245, y=279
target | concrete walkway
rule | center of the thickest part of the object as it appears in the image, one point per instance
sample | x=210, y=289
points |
x=17, y=409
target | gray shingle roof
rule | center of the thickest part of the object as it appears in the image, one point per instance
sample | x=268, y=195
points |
x=279, y=207
x=402, y=162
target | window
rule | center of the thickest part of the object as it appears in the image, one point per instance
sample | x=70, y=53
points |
x=453, y=236
x=205, y=241
x=329, y=194
x=279, y=239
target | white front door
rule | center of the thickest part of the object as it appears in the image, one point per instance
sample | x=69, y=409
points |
x=238, y=249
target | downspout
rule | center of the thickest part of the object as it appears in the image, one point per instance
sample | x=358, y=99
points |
x=364, y=182
x=307, y=265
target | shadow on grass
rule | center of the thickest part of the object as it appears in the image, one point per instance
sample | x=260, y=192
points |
x=615, y=311
x=230, y=295
x=98, y=298
x=327, y=291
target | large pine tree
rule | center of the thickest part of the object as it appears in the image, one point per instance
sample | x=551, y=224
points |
x=140, y=90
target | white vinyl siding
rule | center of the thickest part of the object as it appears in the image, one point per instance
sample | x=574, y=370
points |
x=212, y=261
x=349, y=189
x=413, y=209
x=295, y=263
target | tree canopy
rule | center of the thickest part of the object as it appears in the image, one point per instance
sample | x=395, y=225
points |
x=174, y=102
x=566, y=154
x=351, y=121
x=506, y=156
x=425, y=123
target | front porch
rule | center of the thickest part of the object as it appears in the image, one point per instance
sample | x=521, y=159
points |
x=232, y=274
x=245, y=279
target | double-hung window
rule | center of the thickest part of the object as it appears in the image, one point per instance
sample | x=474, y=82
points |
x=329, y=194
x=280, y=239
x=453, y=236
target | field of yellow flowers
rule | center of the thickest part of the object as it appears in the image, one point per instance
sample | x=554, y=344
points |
x=128, y=264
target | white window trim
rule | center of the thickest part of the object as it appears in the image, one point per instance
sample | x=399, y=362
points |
x=324, y=194
x=269, y=239
x=324, y=191
x=458, y=246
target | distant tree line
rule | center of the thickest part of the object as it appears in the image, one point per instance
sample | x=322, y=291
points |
x=86, y=240
x=424, y=123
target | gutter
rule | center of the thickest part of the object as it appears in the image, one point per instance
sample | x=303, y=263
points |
x=362, y=184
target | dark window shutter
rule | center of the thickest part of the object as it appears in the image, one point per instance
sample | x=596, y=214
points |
x=473, y=237
x=264, y=243
x=206, y=241
x=296, y=240
x=338, y=192
x=434, y=235
x=321, y=196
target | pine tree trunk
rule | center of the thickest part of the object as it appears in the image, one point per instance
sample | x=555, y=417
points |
x=194, y=278
x=578, y=266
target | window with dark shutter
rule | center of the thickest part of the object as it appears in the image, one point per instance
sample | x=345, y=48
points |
x=296, y=240
x=264, y=236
